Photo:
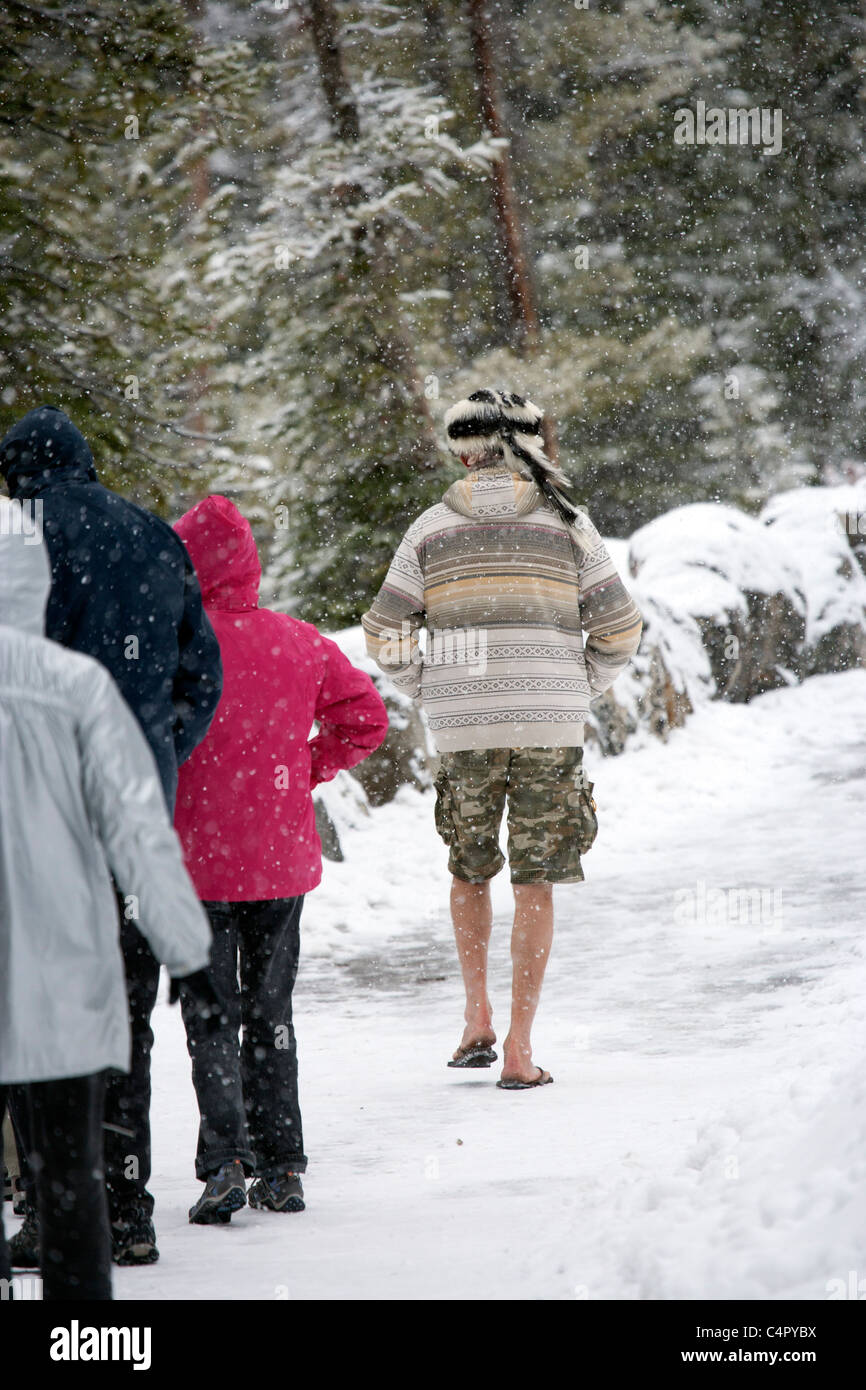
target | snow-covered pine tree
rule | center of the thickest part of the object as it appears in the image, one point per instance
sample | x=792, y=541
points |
x=103, y=113
x=324, y=270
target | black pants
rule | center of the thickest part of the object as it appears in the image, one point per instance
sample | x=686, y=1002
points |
x=127, y=1096
x=126, y=1139
x=64, y=1120
x=248, y=1093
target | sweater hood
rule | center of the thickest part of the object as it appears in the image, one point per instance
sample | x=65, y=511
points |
x=493, y=492
x=43, y=446
x=25, y=571
x=223, y=551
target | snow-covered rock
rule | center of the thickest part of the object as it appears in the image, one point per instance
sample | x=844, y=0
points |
x=732, y=580
x=735, y=605
x=824, y=531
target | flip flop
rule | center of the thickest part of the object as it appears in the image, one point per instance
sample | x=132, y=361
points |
x=475, y=1055
x=515, y=1085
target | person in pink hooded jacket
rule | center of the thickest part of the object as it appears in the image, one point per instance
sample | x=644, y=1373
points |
x=246, y=822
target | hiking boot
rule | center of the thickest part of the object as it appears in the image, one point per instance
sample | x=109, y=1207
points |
x=277, y=1194
x=24, y=1245
x=133, y=1239
x=225, y=1191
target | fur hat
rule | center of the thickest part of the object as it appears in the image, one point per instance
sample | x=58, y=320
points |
x=494, y=422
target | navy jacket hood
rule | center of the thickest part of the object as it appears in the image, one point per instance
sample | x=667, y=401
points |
x=123, y=589
x=43, y=442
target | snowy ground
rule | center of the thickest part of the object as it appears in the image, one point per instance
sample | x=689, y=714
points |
x=706, y=1133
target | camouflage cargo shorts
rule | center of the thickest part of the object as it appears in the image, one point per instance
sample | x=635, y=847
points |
x=551, y=813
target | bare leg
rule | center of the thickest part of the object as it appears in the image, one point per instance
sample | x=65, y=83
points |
x=472, y=915
x=530, y=947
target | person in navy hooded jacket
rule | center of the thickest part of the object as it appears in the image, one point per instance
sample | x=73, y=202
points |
x=123, y=590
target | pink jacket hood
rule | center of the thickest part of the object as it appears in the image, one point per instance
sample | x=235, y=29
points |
x=222, y=548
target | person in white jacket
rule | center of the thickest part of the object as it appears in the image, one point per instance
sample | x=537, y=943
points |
x=80, y=801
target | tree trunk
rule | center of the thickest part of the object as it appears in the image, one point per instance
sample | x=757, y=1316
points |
x=518, y=275
x=200, y=191
x=435, y=45
x=338, y=92
x=519, y=278
x=436, y=68
x=345, y=120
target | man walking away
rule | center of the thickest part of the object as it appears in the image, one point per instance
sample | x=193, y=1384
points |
x=123, y=590
x=80, y=800
x=506, y=574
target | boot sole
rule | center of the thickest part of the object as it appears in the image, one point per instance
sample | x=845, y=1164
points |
x=219, y=1212
x=290, y=1204
x=137, y=1255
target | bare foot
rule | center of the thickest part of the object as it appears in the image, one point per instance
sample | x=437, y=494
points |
x=475, y=1036
x=517, y=1063
x=536, y=1074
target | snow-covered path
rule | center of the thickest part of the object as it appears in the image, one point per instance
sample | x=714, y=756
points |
x=703, y=1017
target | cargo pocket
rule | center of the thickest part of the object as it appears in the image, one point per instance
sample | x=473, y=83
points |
x=443, y=813
x=587, y=819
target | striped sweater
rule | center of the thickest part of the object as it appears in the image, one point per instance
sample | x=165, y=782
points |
x=504, y=589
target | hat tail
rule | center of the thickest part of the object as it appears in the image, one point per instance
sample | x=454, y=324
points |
x=549, y=478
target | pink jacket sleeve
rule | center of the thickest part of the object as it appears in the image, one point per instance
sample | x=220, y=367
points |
x=352, y=718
